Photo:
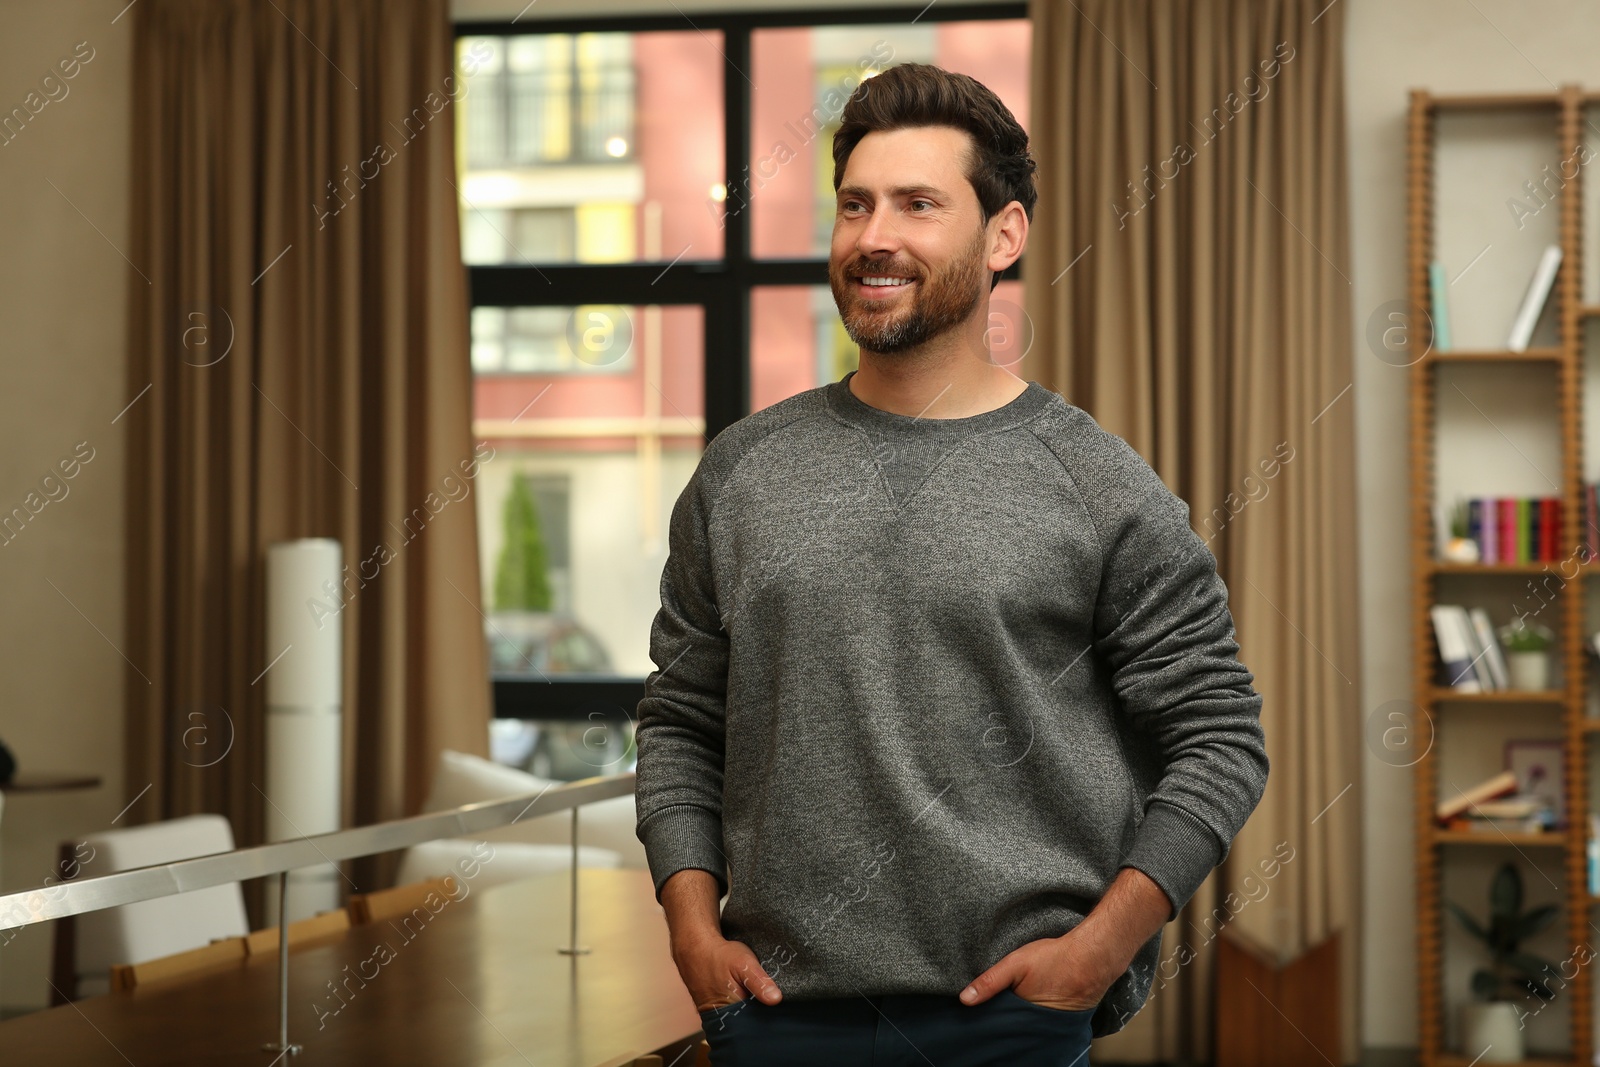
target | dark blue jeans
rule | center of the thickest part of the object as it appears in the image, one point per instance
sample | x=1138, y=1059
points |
x=896, y=1031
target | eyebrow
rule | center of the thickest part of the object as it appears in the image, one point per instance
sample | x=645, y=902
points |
x=899, y=190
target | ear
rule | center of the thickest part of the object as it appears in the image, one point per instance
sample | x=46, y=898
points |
x=1007, y=235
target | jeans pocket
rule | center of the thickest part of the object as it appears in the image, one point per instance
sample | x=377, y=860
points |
x=1077, y=1013
x=717, y=1019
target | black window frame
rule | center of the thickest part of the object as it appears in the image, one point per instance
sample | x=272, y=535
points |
x=721, y=287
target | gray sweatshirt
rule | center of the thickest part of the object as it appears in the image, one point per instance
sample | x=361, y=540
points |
x=925, y=686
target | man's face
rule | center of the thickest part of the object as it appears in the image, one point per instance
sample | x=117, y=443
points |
x=906, y=212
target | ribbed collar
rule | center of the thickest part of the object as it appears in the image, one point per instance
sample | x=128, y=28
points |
x=852, y=409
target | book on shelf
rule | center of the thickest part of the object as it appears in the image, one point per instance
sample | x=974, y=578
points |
x=1486, y=534
x=1519, y=813
x=1527, y=824
x=1517, y=529
x=1493, y=658
x=1515, y=806
x=1592, y=854
x=1452, y=632
x=1477, y=649
x=1544, y=277
x=1503, y=784
x=1472, y=660
x=1438, y=286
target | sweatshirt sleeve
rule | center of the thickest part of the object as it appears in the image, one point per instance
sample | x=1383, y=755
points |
x=678, y=789
x=1162, y=623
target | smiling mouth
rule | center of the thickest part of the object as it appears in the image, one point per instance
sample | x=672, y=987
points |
x=882, y=283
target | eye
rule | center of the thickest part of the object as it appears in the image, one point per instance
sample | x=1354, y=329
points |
x=914, y=203
x=848, y=204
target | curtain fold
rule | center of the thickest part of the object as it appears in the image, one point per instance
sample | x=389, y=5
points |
x=1188, y=284
x=299, y=368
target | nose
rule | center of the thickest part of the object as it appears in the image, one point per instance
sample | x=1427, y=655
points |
x=879, y=236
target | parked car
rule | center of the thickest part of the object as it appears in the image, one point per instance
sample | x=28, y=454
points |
x=532, y=642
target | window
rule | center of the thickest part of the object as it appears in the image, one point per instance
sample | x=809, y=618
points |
x=806, y=73
x=498, y=235
x=589, y=147
x=552, y=340
x=646, y=207
x=552, y=98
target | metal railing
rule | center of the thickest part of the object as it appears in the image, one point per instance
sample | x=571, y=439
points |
x=83, y=895
x=181, y=876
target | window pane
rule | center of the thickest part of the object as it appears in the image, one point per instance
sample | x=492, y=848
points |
x=574, y=505
x=798, y=342
x=595, y=339
x=804, y=76
x=590, y=147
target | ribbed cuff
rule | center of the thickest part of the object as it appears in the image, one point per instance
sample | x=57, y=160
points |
x=681, y=837
x=1176, y=850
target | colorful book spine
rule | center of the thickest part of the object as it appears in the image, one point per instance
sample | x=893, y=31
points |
x=1530, y=529
x=1438, y=286
x=1524, y=530
x=1592, y=854
x=1489, y=547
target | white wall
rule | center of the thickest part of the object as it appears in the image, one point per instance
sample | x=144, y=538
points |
x=63, y=286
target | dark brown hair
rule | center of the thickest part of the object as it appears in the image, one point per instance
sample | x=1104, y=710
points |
x=919, y=94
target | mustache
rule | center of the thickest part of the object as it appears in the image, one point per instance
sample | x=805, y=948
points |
x=878, y=269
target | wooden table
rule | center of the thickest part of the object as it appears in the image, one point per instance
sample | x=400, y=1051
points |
x=479, y=985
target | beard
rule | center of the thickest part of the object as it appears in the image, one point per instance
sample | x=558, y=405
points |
x=938, y=303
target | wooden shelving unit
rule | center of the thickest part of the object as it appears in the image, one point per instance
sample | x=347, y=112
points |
x=1501, y=696
x=1472, y=837
x=1437, y=849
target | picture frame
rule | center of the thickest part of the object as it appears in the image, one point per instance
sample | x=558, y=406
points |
x=1540, y=767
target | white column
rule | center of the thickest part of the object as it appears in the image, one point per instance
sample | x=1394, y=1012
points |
x=304, y=731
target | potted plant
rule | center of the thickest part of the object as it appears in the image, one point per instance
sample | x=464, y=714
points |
x=1527, y=646
x=1491, y=1027
x=1460, y=548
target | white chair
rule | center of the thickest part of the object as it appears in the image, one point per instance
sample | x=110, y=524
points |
x=530, y=846
x=511, y=861
x=150, y=929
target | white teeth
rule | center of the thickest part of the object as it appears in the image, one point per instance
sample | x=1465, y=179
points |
x=885, y=281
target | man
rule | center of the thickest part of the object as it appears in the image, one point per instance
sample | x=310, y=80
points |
x=948, y=701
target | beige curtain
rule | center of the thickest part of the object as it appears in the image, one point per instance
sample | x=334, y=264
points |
x=1188, y=280
x=298, y=368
